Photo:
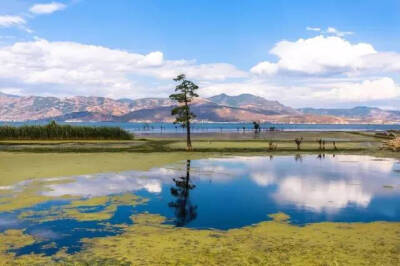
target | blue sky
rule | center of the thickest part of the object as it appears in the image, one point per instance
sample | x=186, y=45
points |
x=302, y=53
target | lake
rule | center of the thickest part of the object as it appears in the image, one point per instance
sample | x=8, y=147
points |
x=220, y=193
x=158, y=127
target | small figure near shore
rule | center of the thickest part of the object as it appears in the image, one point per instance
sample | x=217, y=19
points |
x=320, y=144
x=298, y=142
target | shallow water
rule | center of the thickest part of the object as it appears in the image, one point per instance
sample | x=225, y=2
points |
x=161, y=127
x=220, y=193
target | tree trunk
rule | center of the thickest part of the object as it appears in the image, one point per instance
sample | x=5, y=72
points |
x=188, y=140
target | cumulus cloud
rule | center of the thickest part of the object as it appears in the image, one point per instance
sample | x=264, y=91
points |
x=327, y=56
x=314, y=92
x=338, y=33
x=330, y=30
x=77, y=67
x=47, y=8
x=313, y=29
x=378, y=89
x=319, y=55
x=320, y=69
x=10, y=21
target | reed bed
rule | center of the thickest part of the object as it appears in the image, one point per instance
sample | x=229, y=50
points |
x=54, y=131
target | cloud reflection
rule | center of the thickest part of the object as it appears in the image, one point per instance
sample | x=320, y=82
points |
x=324, y=185
x=327, y=185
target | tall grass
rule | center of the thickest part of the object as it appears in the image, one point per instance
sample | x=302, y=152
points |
x=63, y=132
x=394, y=144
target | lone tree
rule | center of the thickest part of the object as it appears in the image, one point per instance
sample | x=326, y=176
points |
x=185, y=93
x=298, y=142
x=256, y=126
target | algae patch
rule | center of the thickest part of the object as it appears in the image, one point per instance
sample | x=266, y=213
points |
x=148, y=242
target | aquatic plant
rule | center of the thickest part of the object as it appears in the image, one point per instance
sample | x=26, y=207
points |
x=56, y=131
x=276, y=242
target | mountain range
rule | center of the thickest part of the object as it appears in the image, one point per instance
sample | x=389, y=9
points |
x=219, y=108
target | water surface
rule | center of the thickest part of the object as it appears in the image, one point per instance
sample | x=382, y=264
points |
x=221, y=193
x=160, y=127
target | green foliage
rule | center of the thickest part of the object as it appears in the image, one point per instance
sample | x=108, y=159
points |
x=256, y=126
x=185, y=93
x=55, y=131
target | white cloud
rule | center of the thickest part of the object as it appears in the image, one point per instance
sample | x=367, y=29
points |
x=382, y=62
x=75, y=68
x=338, y=33
x=319, y=55
x=10, y=21
x=367, y=90
x=313, y=29
x=47, y=8
x=314, y=92
x=266, y=68
x=330, y=30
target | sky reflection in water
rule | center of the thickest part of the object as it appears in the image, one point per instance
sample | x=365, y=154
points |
x=223, y=193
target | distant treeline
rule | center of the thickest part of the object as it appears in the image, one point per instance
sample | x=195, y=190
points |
x=61, y=132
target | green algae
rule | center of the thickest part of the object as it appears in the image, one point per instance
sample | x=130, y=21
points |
x=148, y=242
x=27, y=194
x=17, y=167
x=148, y=219
x=14, y=239
x=78, y=210
x=90, y=209
x=22, y=199
x=279, y=217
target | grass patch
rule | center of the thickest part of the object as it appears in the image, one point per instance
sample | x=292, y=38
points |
x=56, y=131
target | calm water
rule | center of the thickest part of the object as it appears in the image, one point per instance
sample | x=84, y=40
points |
x=220, y=193
x=224, y=127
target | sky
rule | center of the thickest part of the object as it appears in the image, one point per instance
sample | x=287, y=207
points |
x=307, y=53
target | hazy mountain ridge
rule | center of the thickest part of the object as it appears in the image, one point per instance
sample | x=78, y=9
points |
x=252, y=102
x=363, y=113
x=219, y=108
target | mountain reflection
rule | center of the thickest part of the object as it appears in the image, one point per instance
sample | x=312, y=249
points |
x=185, y=211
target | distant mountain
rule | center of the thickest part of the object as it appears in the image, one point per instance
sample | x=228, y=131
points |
x=219, y=108
x=254, y=103
x=146, y=103
x=35, y=107
x=359, y=113
x=206, y=110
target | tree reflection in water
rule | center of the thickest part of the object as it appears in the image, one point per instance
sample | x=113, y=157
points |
x=298, y=158
x=185, y=211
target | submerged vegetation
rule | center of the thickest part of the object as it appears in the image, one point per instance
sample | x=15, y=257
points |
x=54, y=131
x=150, y=242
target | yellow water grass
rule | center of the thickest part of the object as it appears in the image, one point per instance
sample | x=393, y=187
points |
x=276, y=242
x=268, y=243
